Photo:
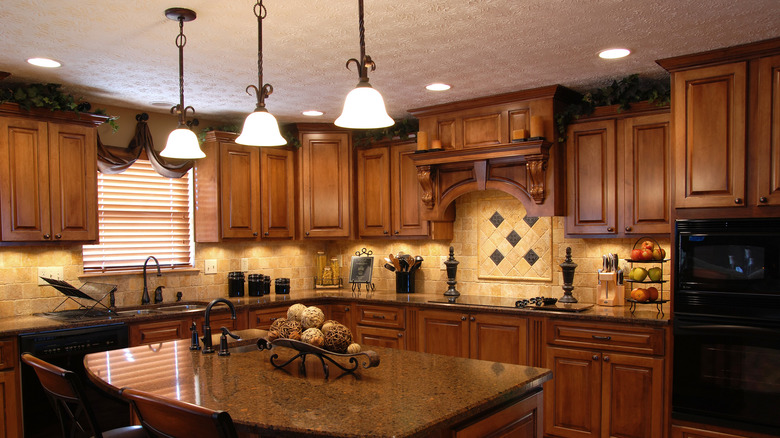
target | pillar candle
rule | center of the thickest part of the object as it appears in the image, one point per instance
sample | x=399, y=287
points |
x=537, y=126
x=422, y=141
x=518, y=134
x=436, y=144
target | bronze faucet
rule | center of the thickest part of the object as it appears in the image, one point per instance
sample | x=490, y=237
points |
x=145, y=298
x=207, y=347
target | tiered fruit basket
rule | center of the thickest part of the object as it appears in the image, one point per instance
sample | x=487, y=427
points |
x=647, y=252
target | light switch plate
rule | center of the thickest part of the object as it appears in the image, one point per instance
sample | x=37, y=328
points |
x=55, y=272
x=211, y=266
x=244, y=265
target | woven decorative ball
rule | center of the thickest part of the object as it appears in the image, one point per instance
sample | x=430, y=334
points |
x=295, y=311
x=313, y=336
x=338, y=339
x=273, y=334
x=277, y=323
x=312, y=317
x=353, y=348
x=291, y=330
x=327, y=325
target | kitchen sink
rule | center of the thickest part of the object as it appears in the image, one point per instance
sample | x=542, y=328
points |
x=176, y=308
x=137, y=312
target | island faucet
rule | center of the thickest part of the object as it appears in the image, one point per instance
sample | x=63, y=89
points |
x=145, y=297
x=207, y=346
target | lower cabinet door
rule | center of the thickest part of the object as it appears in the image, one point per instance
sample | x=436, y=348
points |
x=161, y=331
x=379, y=336
x=518, y=419
x=572, y=402
x=442, y=332
x=262, y=319
x=499, y=338
x=632, y=396
x=9, y=403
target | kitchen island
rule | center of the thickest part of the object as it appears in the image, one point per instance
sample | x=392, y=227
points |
x=409, y=394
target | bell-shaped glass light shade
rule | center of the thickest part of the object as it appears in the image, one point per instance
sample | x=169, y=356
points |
x=261, y=129
x=183, y=145
x=364, y=108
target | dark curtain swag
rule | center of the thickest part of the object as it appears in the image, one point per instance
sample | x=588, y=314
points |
x=114, y=159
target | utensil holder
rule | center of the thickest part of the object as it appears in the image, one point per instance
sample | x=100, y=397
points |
x=404, y=282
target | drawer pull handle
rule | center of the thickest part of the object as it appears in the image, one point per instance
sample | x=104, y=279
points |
x=378, y=316
x=602, y=338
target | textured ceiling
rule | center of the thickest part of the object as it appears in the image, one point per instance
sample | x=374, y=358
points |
x=123, y=53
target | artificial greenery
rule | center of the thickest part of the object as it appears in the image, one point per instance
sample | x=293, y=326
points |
x=49, y=96
x=623, y=92
x=401, y=129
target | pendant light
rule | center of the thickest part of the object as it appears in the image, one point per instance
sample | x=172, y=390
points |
x=260, y=127
x=182, y=142
x=364, y=107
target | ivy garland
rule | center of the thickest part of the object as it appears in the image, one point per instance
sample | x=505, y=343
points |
x=49, y=96
x=623, y=92
x=402, y=129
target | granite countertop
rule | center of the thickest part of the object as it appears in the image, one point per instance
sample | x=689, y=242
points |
x=408, y=394
x=644, y=314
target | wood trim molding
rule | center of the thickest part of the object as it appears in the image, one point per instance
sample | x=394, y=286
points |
x=42, y=114
x=727, y=55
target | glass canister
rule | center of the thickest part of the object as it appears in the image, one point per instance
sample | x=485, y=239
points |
x=255, y=284
x=320, y=262
x=335, y=269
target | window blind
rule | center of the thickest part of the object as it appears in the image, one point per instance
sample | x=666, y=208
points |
x=141, y=214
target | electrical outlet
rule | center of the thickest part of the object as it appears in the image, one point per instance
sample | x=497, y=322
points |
x=442, y=266
x=244, y=265
x=211, y=266
x=53, y=272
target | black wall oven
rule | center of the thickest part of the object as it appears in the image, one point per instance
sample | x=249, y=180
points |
x=727, y=323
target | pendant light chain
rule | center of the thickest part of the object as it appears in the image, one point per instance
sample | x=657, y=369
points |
x=365, y=61
x=264, y=90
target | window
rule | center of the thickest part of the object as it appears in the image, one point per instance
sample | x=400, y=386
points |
x=141, y=214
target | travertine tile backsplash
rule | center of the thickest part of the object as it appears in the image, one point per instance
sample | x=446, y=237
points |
x=20, y=294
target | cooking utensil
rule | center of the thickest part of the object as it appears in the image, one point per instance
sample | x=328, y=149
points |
x=395, y=262
x=416, y=265
x=390, y=267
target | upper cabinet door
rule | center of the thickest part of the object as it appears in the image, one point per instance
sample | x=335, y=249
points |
x=73, y=182
x=373, y=191
x=325, y=184
x=24, y=180
x=646, y=167
x=239, y=190
x=709, y=106
x=767, y=132
x=591, y=175
x=277, y=194
x=406, y=193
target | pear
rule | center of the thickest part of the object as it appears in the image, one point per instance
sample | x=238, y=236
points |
x=638, y=274
x=655, y=274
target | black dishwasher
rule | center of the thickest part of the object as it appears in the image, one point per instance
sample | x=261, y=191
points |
x=66, y=348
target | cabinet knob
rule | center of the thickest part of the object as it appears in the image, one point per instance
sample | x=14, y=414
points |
x=265, y=234
x=628, y=228
x=738, y=200
x=606, y=358
x=272, y=319
x=384, y=231
x=463, y=318
x=255, y=234
x=47, y=236
x=58, y=236
x=400, y=335
x=472, y=319
x=762, y=199
x=396, y=232
x=346, y=308
x=595, y=357
x=610, y=229
x=307, y=233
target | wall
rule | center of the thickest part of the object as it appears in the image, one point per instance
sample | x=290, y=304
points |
x=20, y=294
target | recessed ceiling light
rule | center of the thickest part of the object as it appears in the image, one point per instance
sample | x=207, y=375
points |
x=614, y=53
x=312, y=113
x=437, y=87
x=44, y=62
x=163, y=104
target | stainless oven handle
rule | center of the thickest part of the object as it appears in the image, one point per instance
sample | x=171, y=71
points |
x=728, y=327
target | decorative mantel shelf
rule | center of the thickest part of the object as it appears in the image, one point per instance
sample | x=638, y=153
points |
x=516, y=168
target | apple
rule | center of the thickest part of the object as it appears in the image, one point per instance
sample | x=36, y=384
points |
x=652, y=293
x=647, y=244
x=640, y=294
x=636, y=254
x=658, y=253
x=655, y=274
x=646, y=254
x=638, y=274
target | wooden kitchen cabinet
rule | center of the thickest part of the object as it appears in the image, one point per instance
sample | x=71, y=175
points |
x=48, y=179
x=277, y=193
x=603, y=385
x=484, y=336
x=619, y=173
x=159, y=331
x=389, y=197
x=767, y=133
x=263, y=318
x=343, y=313
x=325, y=181
x=10, y=394
x=521, y=418
x=384, y=326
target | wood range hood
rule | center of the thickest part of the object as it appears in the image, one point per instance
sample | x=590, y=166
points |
x=478, y=152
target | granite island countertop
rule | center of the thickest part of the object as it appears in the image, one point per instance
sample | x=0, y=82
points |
x=408, y=394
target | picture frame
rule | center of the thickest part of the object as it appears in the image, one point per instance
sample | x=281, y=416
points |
x=361, y=269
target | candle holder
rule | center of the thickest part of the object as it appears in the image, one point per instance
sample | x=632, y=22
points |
x=568, y=268
x=452, y=270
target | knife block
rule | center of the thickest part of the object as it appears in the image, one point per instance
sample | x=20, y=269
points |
x=610, y=293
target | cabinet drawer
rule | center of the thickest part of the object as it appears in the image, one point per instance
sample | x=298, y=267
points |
x=381, y=316
x=7, y=353
x=617, y=337
x=382, y=337
x=262, y=319
x=151, y=332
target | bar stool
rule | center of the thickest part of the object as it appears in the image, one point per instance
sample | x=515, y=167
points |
x=170, y=418
x=66, y=394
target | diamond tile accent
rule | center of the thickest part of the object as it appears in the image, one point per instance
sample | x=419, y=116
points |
x=513, y=238
x=497, y=257
x=496, y=219
x=530, y=220
x=531, y=257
